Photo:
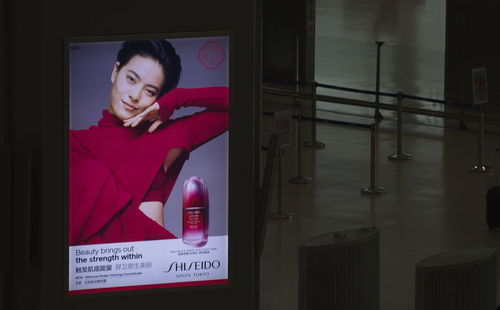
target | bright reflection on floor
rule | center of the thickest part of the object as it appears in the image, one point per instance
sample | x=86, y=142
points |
x=411, y=59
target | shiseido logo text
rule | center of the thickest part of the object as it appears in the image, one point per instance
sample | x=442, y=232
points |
x=196, y=265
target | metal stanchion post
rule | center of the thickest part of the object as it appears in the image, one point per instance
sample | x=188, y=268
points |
x=378, y=115
x=314, y=143
x=300, y=179
x=399, y=154
x=480, y=166
x=281, y=215
x=373, y=190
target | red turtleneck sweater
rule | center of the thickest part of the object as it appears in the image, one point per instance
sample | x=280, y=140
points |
x=114, y=168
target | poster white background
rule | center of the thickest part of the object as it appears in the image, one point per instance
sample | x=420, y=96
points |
x=145, y=263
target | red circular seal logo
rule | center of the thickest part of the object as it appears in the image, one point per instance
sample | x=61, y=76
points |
x=211, y=55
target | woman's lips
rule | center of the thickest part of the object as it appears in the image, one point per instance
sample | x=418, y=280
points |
x=129, y=106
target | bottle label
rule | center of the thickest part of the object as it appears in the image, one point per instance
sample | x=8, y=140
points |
x=195, y=226
x=194, y=218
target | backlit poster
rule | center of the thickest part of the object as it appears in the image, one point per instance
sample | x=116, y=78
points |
x=148, y=163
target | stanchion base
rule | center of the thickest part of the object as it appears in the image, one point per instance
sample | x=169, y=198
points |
x=398, y=156
x=301, y=180
x=373, y=191
x=281, y=216
x=315, y=144
x=480, y=168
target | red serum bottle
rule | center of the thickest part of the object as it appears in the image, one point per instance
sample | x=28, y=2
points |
x=195, y=212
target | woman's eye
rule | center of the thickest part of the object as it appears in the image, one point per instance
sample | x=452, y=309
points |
x=130, y=79
x=150, y=92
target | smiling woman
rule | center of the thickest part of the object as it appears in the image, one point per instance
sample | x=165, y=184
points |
x=122, y=171
x=135, y=86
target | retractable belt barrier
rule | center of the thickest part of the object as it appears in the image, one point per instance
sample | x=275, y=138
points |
x=372, y=189
x=359, y=91
x=398, y=155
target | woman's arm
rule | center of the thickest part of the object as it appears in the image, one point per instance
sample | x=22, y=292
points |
x=153, y=210
x=199, y=128
x=214, y=99
x=190, y=132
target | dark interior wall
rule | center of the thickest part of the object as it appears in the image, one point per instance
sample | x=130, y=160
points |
x=280, y=25
x=283, y=21
x=5, y=156
x=4, y=25
x=471, y=42
x=34, y=117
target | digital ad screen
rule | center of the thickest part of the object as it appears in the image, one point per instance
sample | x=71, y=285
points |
x=148, y=163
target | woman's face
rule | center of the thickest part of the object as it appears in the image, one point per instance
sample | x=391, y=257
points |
x=135, y=86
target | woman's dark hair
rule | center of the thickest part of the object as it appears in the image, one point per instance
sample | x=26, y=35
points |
x=159, y=50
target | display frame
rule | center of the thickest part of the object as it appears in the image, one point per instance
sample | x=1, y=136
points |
x=161, y=288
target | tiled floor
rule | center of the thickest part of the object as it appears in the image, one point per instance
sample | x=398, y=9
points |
x=432, y=204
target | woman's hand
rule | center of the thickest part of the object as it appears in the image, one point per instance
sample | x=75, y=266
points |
x=149, y=114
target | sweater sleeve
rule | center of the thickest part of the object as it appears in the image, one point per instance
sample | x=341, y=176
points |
x=203, y=127
x=188, y=132
x=214, y=99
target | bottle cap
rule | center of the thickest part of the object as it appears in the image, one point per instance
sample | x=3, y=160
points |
x=195, y=193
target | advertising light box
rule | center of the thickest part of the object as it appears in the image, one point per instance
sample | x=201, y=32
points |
x=148, y=163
